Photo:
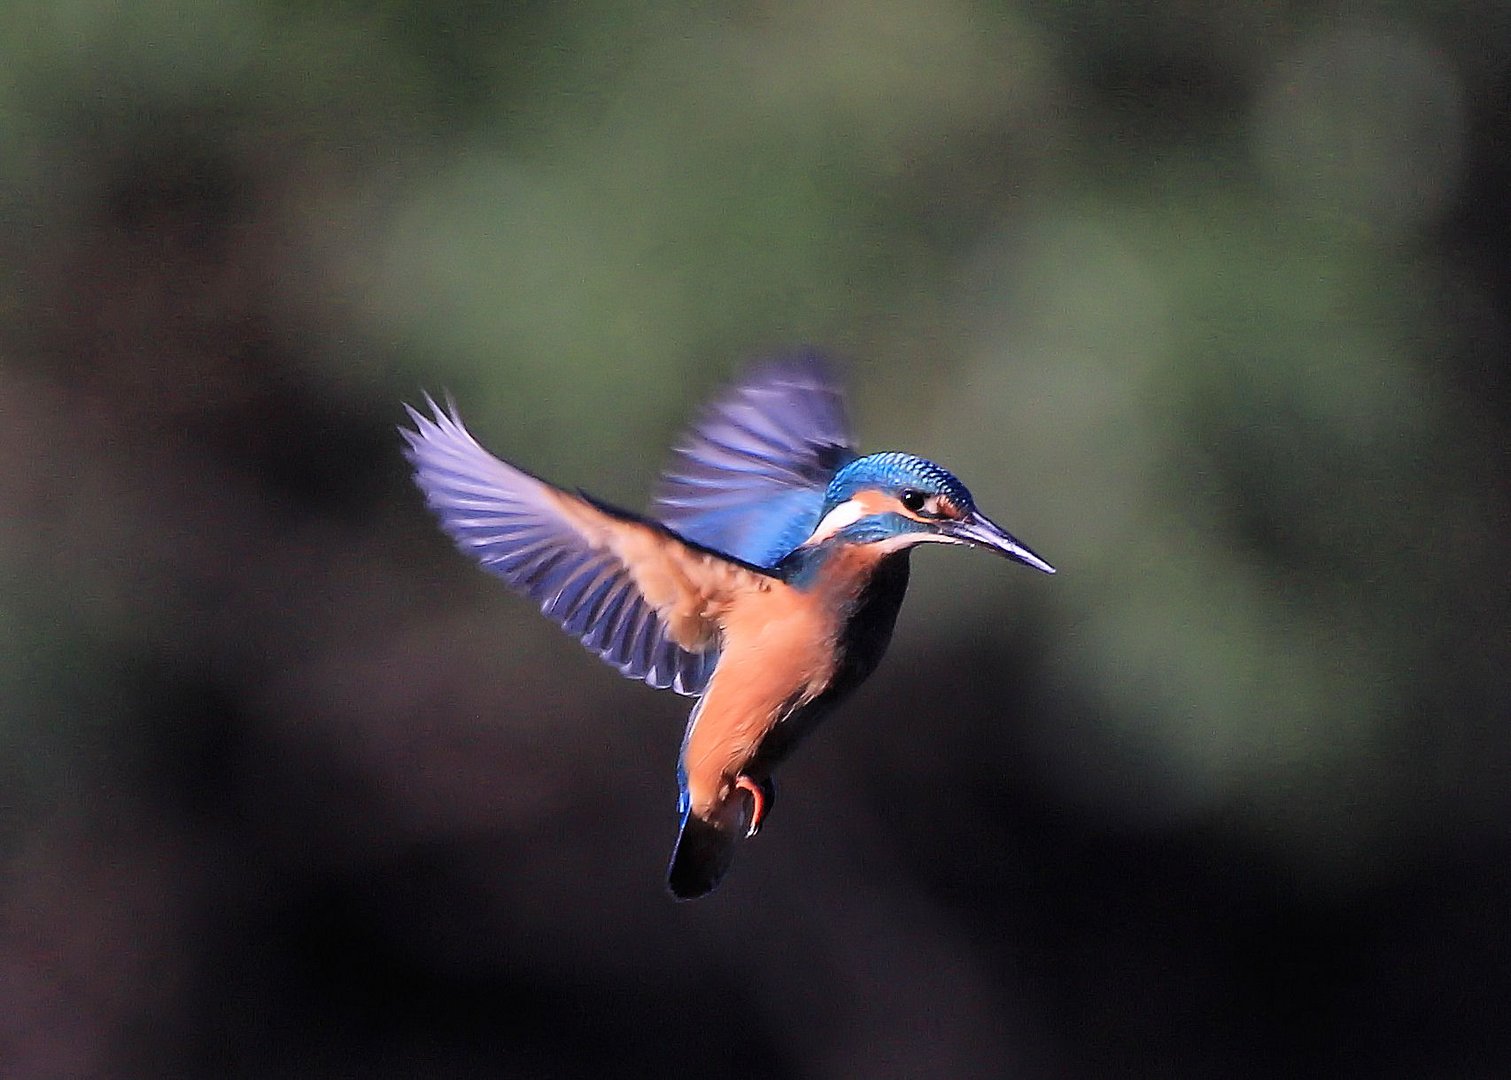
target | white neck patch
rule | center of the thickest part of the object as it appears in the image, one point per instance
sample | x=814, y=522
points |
x=842, y=516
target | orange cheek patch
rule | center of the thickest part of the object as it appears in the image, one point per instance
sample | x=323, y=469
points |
x=947, y=509
x=862, y=504
x=872, y=501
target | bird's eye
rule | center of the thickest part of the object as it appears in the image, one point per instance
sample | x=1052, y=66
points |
x=912, y=501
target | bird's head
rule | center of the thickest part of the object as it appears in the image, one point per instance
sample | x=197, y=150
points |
x=896, y=500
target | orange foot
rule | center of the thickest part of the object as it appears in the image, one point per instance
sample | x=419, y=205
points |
x=760, y=793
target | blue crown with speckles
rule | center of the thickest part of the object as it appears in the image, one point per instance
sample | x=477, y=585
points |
x=893, y=472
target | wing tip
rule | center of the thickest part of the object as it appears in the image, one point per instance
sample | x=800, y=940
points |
x=443, y=422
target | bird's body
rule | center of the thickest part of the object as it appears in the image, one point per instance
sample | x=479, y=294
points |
x=767, y=584
x=786, y=650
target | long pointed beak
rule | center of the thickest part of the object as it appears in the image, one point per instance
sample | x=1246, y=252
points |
x=980, y=531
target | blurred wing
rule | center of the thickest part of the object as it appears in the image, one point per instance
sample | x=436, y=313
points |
x=749, y=478
x=631, y=591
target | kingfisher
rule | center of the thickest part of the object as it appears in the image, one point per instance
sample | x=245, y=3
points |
x=764, y=582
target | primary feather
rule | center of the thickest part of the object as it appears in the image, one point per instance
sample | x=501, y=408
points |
x=629, y=589
x=749, y=478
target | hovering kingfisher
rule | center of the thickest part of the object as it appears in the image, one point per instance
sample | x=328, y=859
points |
x=764, y=582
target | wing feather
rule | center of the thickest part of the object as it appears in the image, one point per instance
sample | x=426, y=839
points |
x=630, y=590
x=749, y=478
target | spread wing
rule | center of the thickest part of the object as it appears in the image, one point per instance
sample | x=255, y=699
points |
x=749, y=478
x=630, y=590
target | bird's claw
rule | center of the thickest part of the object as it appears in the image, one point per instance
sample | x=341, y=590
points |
x=760, y=793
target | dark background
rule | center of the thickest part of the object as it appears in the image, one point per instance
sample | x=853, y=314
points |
x=1206, y=301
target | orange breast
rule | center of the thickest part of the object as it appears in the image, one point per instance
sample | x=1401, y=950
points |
x=779, y=651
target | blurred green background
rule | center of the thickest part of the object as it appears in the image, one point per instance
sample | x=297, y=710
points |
x=1206, y=301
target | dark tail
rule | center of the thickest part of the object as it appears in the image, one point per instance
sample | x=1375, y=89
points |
x=701, y=857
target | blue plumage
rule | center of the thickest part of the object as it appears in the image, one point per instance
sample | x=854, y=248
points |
x=896, y=471
x=512, y=523
x=749, y=480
